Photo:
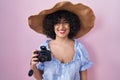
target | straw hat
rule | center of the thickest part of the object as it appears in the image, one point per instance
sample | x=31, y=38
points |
x=84, y=13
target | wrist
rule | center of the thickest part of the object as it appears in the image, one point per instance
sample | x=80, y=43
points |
x=33, y=66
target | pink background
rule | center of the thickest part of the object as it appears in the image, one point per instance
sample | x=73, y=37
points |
x=17, y=40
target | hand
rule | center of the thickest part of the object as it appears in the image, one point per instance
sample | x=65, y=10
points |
x=34, y=59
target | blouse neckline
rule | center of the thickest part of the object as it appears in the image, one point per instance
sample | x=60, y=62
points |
x=53, y=58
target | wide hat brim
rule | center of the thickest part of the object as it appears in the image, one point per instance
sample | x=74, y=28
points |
x=84, y=13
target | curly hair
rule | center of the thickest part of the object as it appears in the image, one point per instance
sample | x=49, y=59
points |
x=51, y=19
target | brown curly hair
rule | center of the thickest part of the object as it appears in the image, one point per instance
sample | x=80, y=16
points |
x=51, y=19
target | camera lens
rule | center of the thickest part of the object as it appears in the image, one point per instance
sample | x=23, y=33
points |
x=42, y=59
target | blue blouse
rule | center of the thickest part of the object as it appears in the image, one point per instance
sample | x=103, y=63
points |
x=55, y=70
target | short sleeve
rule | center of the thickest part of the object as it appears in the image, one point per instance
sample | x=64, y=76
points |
x=85, y=61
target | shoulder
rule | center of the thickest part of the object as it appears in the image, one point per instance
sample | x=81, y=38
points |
x=80, y=49
x=45, y=43
x=78, y=44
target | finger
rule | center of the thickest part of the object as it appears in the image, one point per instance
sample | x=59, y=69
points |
x=34, y=50
x=34, y=55
x=34, y=59
x=34, y=63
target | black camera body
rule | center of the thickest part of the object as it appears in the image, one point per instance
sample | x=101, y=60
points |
x=43, y=55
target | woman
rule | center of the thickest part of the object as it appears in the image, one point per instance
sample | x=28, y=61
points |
x=63, y=24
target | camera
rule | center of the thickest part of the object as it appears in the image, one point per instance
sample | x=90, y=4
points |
x=43, y=55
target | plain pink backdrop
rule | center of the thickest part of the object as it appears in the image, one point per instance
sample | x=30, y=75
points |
x=17, y=40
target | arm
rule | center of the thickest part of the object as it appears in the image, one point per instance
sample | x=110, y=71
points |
x=83, y=75
x=36, y=73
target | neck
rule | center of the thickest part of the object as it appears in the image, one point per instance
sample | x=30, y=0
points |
x=62, y=40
